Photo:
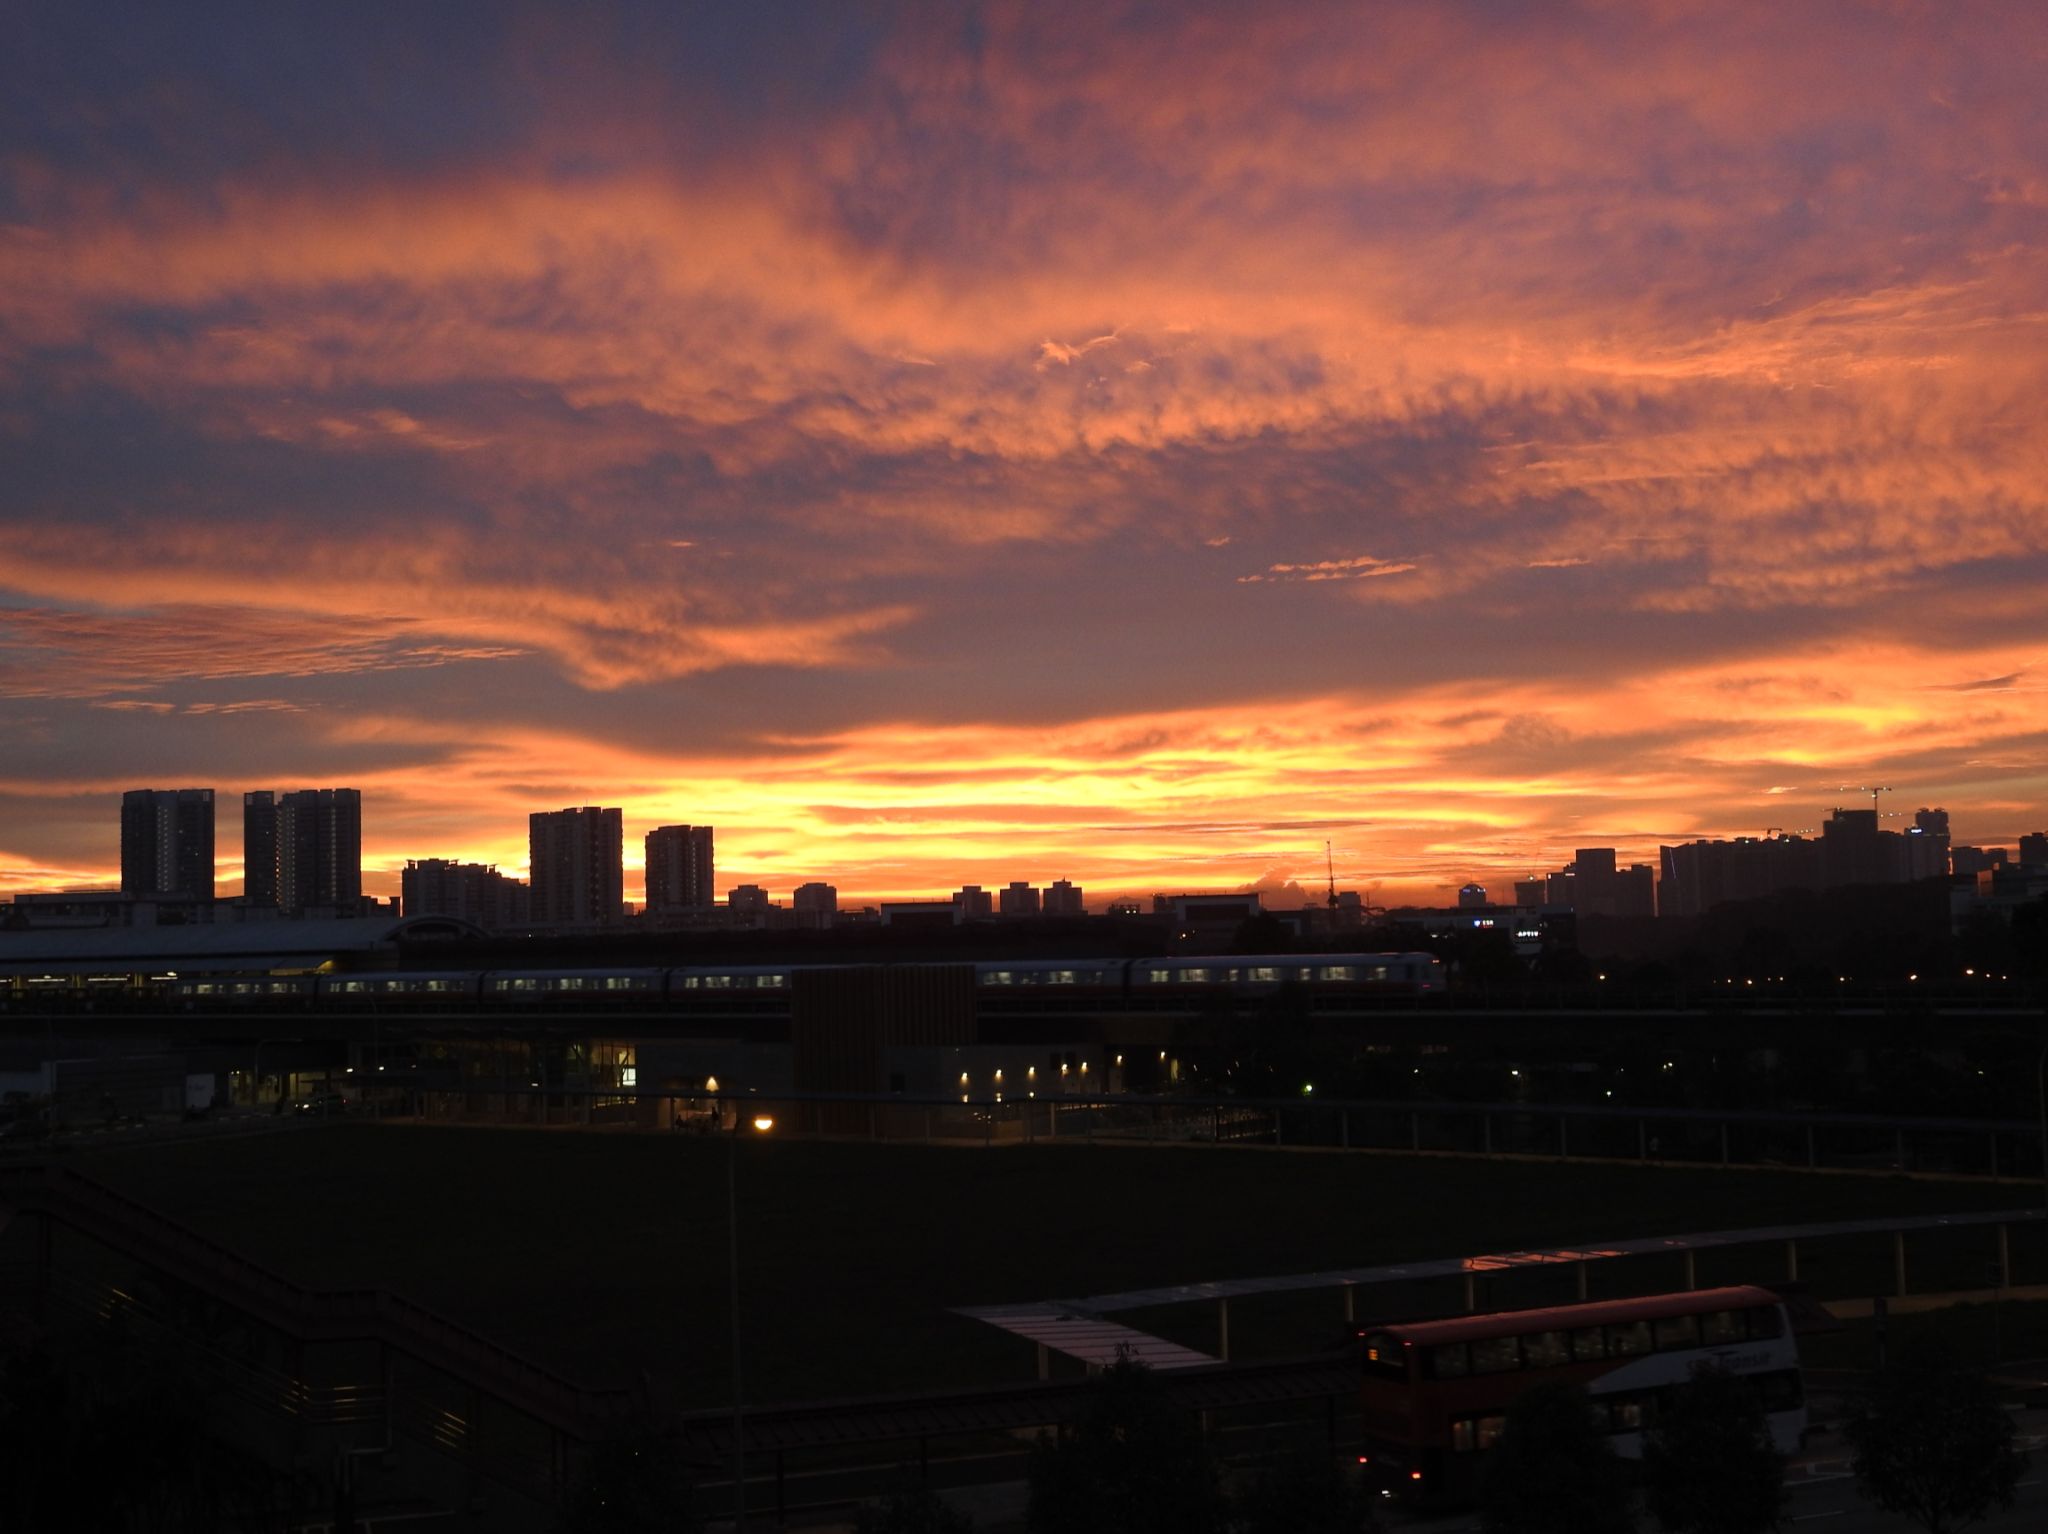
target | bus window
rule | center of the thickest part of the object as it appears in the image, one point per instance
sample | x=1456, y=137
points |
x=1475, y=1434
x=1628, y=1339
x=1588, y=1342
x=1764, y=1322
x=1546, y=1350
x=1720, y=1327
x=1495, y=1355
x=1678, y=1332
x=1449, y=1362
x=1385, y=1358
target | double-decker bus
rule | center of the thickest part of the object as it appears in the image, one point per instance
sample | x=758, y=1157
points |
x=1435, y=1394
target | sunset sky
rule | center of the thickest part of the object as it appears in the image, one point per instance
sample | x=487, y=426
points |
x=935, y=444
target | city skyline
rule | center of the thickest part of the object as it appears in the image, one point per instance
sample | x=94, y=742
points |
x=587, y=873
x=1129, y=444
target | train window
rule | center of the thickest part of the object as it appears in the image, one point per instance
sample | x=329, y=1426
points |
x=1378, y=972
x=1060, y=977
x=1335, y=972
x=1589, y=1342
x=1628, y=1339
x=998, y=977
x=622, y=982
x=1262, y=972
x=1489, y=1431
x=1625, y=1414
x=1449, y=1362
x=718, y=982
x=1496, y=1355
x=1678, y=1332
x=1546, y=1350
x=1764, y=1321
x=1721, y=1327
x=1195, y=976
x=438, y=985
x=1157, y=976
x=775, y=982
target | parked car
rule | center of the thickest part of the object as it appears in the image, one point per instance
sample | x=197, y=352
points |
x=321, y=1104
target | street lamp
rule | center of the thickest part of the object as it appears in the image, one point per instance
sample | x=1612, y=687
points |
x=762, y=1124
x=2041, y=1097
x=256, y=1072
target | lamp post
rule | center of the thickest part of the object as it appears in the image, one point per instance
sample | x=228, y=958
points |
x=256, y=1070
x=2041, y=1097
x=732, y=1227
x=762, y=1123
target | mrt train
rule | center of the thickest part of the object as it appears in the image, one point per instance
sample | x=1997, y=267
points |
x=1138, y=983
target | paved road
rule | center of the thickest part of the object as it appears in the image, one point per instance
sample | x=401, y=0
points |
x=1824, y=1499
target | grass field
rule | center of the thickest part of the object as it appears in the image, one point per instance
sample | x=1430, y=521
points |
x=601, y=1255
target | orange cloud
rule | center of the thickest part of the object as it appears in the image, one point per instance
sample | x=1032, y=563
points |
x=1609, y=412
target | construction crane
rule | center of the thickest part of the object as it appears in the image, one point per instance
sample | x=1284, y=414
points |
x=1330, y=866
x=1858, y=788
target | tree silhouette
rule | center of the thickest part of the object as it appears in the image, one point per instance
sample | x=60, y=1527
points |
x=916, y=1511
x=1932, y=1443
x=1709, y=1464
x=1131, y=1465
x=1305, y=1493
x=631, y=1482
x=1553, y=1471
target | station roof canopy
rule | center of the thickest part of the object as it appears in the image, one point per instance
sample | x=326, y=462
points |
x=256, y=947
x=1494, y=1262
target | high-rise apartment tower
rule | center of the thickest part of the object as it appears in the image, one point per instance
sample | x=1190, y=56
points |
x=167, y=842
x=679, y=868
x=303, y=848
x=577, y=865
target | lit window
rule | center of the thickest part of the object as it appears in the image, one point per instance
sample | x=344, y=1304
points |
x=1495, y=1355
x=1628, y=1340
x=1545, y=1350
x=1678, y=1332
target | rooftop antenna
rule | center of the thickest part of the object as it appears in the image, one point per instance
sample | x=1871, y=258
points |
x=1330, y=864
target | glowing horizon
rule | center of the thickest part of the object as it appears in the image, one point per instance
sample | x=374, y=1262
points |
x=1120, y=443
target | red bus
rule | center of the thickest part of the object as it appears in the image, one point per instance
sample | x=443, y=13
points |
x=1435, y=1394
